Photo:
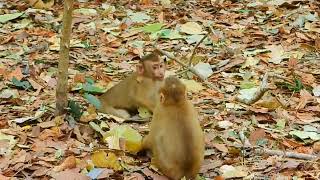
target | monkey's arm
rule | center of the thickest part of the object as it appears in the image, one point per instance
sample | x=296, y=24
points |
x=146, y=142
x=146, y=104
x=146, y=93
x=116, y=100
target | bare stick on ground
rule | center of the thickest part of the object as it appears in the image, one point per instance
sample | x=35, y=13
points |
x=287, y=154
x=62, y=85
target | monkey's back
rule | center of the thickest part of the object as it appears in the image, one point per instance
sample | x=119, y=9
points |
x=115, y=96
x=182, y=153
x=131, y=93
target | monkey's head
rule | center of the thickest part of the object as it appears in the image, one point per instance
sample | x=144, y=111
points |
x=152, y=66
x=173, y=91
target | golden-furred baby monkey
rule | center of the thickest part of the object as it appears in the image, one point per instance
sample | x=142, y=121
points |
x=176, y=139
x=140, y=89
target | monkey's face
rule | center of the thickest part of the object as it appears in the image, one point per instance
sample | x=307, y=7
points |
x=154, y=69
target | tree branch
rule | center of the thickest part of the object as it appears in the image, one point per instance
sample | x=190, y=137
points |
x=195, y=48
x=191, y=69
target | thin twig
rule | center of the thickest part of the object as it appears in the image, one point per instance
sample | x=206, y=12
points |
x=260, y=151
x=287, y=154
x=260, y=92
x=195, y=48
x=137, y=119
x=214, y=101
x=182, y=72
x=191, y=69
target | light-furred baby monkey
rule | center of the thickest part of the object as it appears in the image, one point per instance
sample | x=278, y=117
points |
x=140, y=89
x=176, y=139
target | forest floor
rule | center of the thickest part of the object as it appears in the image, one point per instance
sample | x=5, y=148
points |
x=260, y=113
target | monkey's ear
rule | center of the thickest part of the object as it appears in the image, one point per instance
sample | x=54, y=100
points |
x=140, y=69
x=162, y=98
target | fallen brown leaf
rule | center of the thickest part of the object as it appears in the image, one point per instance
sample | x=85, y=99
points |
x=317, y=43
x=3, y=71
x=146, y=2
x=307, y=117
x=70, y=175
x=39, y=4
x=305, y=97
x=291, y=143
x=316, y=147
x=218, y=178
x=47, y=124
x=304, y=150
x=307, y=79
x=105, y=173
x=17, y=73
x=40, y=172
x=220, y=147
x=134, y=176
x=292, y=63
x=45, y=134
x=79, y=78
x=257, y=135
x=68, y=163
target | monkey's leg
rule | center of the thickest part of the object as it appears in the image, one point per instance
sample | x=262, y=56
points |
x=122, y=113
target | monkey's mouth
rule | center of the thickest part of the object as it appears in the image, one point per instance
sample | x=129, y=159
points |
x=161, y=78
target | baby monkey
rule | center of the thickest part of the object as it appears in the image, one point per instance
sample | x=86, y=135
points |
x=176, y=138
x=140, y=89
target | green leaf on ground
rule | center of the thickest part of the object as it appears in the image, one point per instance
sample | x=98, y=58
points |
x=75, y=109
x=21, y=84
x=93, y=100
x=152, y=28
x=7, y=17
x=92, y=89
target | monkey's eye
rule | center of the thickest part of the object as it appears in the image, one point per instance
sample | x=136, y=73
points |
x=155, y=67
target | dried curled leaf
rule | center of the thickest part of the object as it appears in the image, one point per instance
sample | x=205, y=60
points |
x=39, y=4
x=68, y=163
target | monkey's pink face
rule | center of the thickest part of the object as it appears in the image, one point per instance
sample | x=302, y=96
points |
x=152, y=69
x=158, y=70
